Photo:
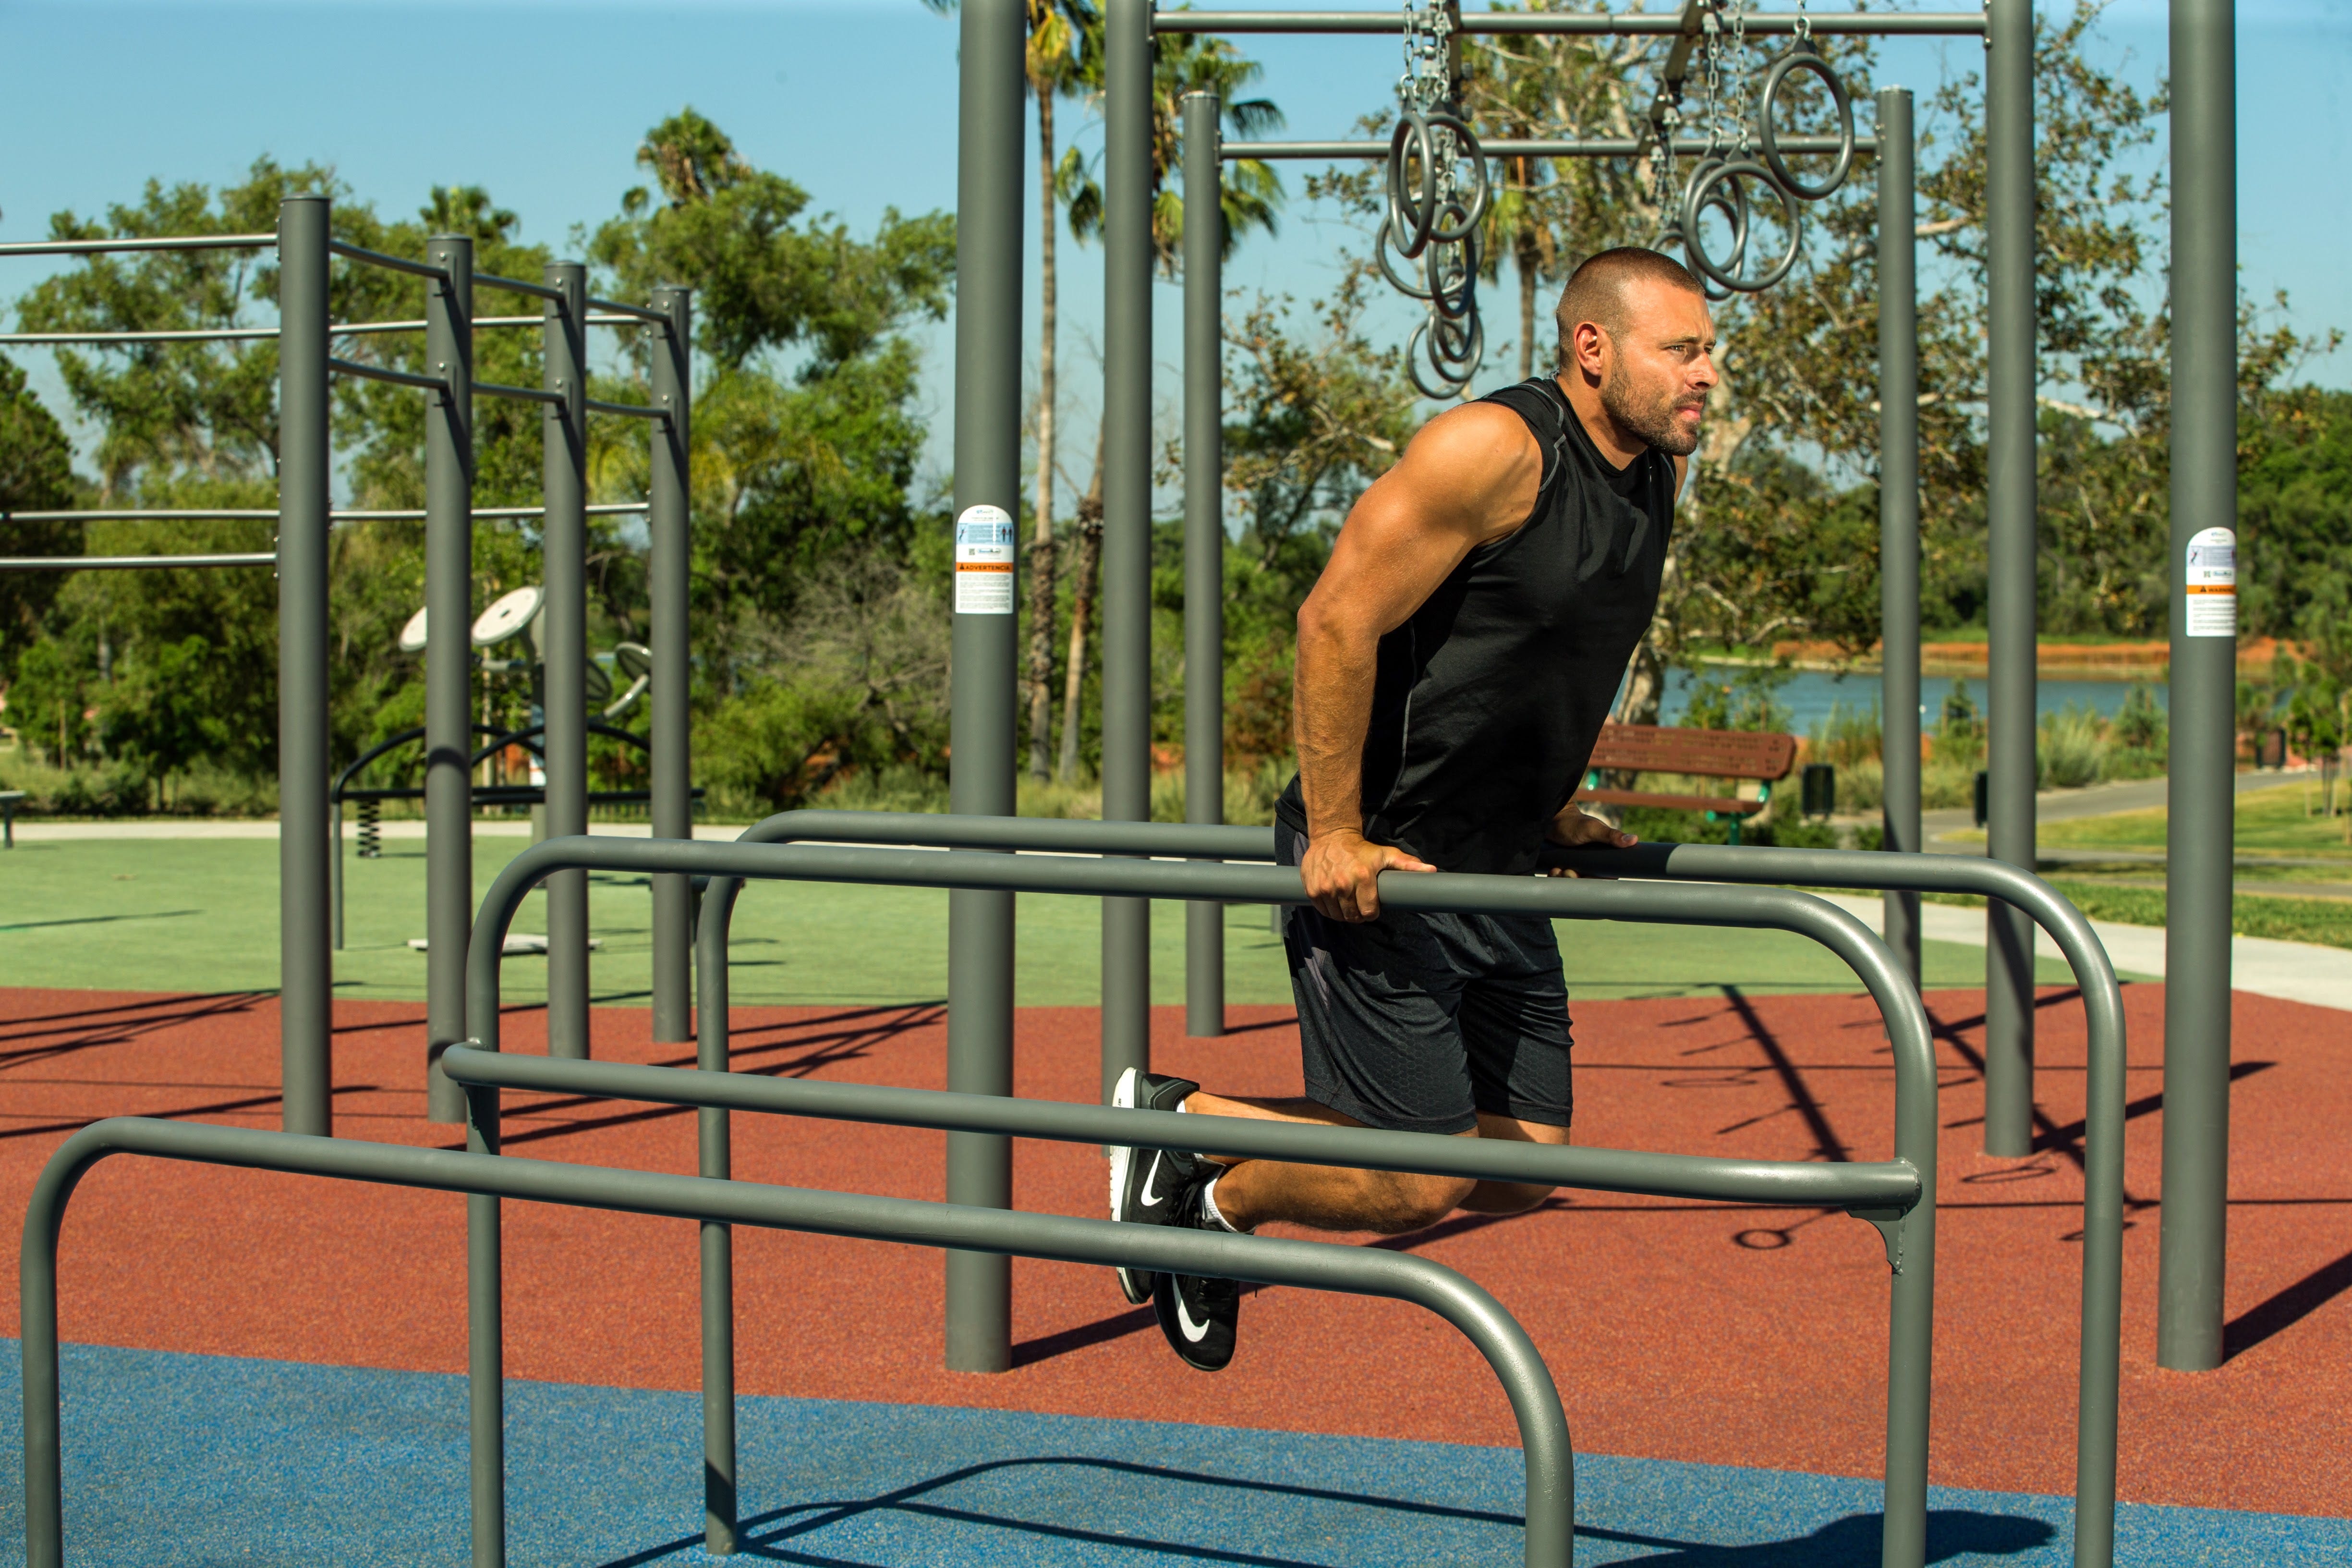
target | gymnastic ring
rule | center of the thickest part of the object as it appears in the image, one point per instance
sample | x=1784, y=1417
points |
x=1474, y=209
x=1387, y=268
x=1458, y=297
x=1413, y=356
x=1696, y=200
x=1805, y=55
x=1410, y=221
x=1733, y=204
x=1454, y=342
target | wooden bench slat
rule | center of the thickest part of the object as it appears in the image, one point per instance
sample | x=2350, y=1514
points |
x=1705, y=754
x=1716, y=802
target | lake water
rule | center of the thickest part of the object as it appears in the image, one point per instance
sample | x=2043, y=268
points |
x=1810, y=693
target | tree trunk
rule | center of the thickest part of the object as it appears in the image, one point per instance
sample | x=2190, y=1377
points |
x=1041, y=542
x=1528, y=263
x=1082, y=605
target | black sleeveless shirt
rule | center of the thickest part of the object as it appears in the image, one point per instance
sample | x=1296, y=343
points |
x=1488, y=700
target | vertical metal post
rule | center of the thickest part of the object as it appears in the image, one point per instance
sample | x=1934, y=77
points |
x=1204, y=543
x=563, y=557
x=715, y=1159
x=485, y=1349
x=2009, y=728
x=2203, y=747
x=989, y=217
x=306, y=838
x=1128, y=180
x=448, y=660
x=1898, y=507
x=673, y=783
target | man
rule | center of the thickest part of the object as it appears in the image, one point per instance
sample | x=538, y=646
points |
x=1456, y=662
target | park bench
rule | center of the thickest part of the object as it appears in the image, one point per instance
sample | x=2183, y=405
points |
x=9, y=800
x=1736, y=754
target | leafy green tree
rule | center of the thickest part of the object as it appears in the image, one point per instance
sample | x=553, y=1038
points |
x=36, y=475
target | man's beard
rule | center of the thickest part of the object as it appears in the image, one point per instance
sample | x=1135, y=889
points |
x=1655, y=421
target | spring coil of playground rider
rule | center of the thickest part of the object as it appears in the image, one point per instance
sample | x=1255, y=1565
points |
x=1430, y=221
x=1720, y=185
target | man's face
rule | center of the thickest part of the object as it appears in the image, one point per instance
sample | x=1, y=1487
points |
x=1657, y=372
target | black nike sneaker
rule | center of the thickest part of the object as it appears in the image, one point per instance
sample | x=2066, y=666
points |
x=1201, y=1318
x=1146, y=1185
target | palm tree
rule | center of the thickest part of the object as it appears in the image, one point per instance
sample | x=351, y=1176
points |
x=1064, y=57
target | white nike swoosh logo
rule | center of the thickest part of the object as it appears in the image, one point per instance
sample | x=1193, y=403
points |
x=1149, y=1199
x=1195, y=1333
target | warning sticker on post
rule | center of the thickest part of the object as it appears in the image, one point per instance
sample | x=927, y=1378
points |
x=2210, y=581
x=983, y=581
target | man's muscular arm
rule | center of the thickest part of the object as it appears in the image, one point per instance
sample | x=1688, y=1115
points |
x=1470, y=475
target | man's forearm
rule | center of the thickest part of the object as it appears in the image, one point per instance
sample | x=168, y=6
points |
x=1330, y=713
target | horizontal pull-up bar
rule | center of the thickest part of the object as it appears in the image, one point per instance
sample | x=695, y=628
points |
x=233, y=334
x=386, y=374
x=516, y=286
x=127, y=563
x=1592, y=147
x=391, y=263
x=1659, y=24
x=519, y=393
x=239, y=514
x=633, y=410
x=628, y=312
x=168, y=242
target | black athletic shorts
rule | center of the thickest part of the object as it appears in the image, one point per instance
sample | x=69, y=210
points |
x=1416, y=1022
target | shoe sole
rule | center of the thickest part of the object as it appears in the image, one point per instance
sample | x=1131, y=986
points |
x=1135, y=1284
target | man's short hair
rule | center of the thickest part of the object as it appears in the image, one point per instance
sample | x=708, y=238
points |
x=1596, y=290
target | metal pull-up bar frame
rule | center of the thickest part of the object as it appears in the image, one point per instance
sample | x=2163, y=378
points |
x=1620, y=24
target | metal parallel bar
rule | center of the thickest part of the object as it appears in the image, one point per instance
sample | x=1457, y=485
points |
x=1898, y=510
x=2102, y=1140
x=563, y=554
x=191, y=335
x=2094, y=975
x=1910, y=1235
x=391, y=263
x=648, y=315
x=1129, y=186
x=129, y=563
x=631, y=410
x=596, y=321
x=168, y=242
x=1786, y=1184
x=1305, y=1265
x=518, y=286
x=988, y=353
x=1205, y=544
x=2012, y=556
x=1584, y=147
x=386, y=374
x=670, y=545
x=305, y=471
x=449, y=663
x=1883, y=24
x=259, y=513
x=2201, y=830
x=519, y=393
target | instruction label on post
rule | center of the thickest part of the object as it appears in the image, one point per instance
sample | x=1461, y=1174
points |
x=983, y=564
x=2210, y=581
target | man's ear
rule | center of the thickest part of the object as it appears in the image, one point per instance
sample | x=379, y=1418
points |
x=1589, y=340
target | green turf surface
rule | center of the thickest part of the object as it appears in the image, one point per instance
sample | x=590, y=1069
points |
x=202, y=915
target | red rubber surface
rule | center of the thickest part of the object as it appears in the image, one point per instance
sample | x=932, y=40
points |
x=1677, y=1331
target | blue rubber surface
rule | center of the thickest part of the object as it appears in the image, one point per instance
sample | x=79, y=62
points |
x=186, y=1459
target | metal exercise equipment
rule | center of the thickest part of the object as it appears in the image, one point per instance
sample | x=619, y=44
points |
x=2094, y=977
x=1897, y=1195
x=308, y=843
x=486, y=1177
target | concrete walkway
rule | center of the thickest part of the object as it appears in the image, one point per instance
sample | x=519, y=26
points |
x=2292, y=971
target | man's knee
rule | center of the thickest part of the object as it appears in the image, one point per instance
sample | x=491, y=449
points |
x=1410, y=1203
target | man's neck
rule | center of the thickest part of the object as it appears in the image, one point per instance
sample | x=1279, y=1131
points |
x=1617, y=444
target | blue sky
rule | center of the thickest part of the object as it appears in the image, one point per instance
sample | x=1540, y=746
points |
x=544, y=102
